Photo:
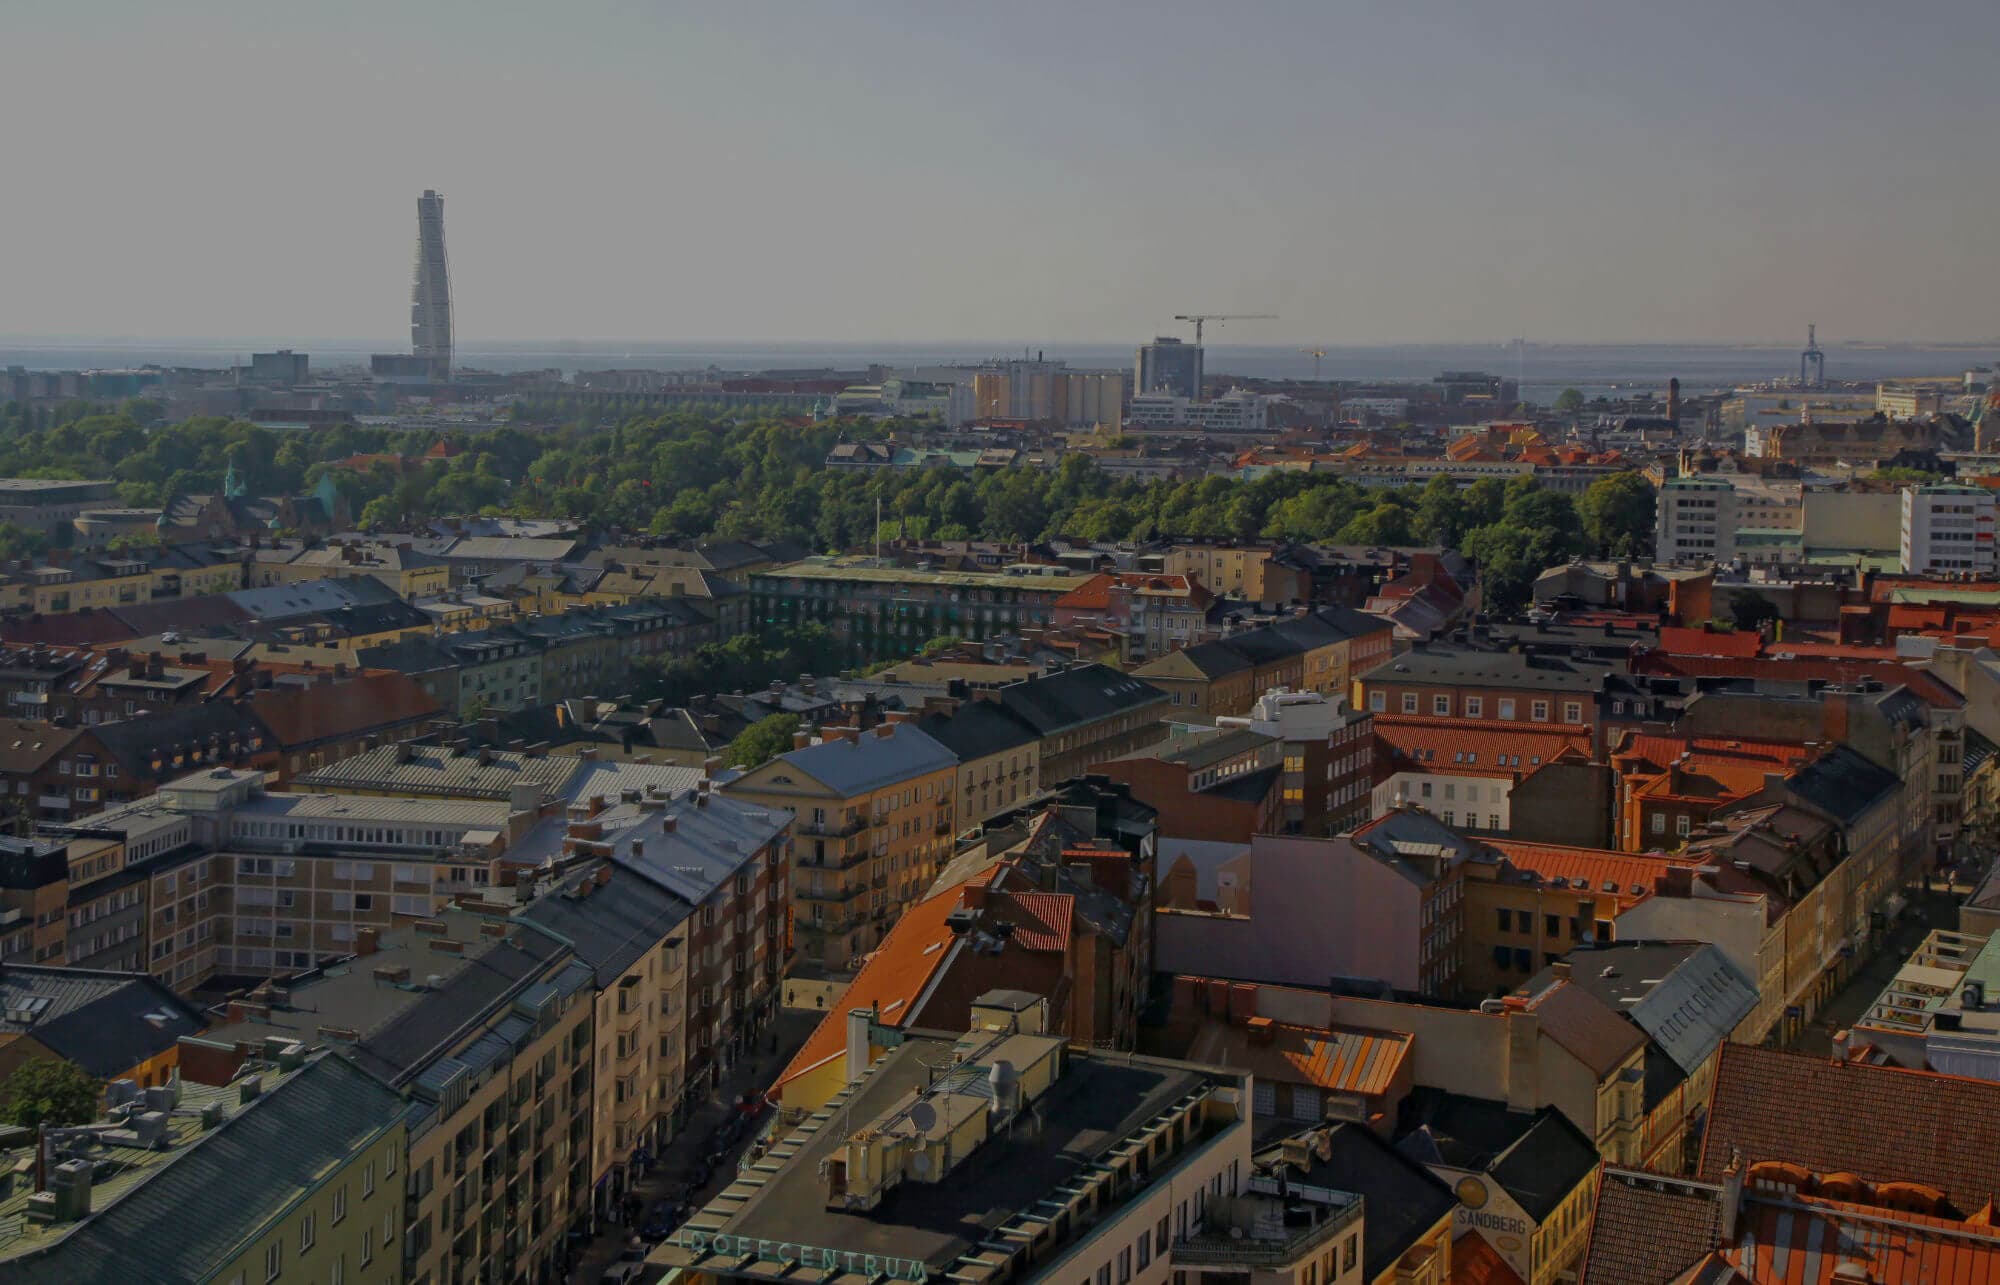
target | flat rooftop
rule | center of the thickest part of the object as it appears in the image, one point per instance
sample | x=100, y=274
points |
x=1091, y=1109
x=352, y=995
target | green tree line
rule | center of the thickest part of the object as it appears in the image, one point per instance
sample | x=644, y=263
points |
x=689, y=475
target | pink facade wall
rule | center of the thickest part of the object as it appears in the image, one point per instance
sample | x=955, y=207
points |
x=1319, y=908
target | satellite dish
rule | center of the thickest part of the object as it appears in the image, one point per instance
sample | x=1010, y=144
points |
x=923, y=1116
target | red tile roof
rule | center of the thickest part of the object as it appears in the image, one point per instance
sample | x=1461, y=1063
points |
x=342, y=707
x=1042, y=920
x=1710, y=642
x=1475, y=1262
x=1648, y=1229
x=1882, y=1123
x=1471, y=746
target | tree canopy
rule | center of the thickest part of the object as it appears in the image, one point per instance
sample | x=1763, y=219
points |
x=762, y=741
x=46, y=1090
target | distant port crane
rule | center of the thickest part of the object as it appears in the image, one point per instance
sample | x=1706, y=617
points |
x=1315, y=354
x=1812, y=362
x=1201, y=318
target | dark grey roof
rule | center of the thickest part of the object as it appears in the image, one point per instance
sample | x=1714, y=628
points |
x=32, y=863
x=1843, y=784
x=1072, y=697
x=1402, y=1199
x=1538, y=1157
x=1214, y=659
x=420, y=1033
x=189, y=1219
x=978, y=728
x=613, y=926
x=106, y=1023
x=410, y=656
x=1465, y=667
x=133, y=741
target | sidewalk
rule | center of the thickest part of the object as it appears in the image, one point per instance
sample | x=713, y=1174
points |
x=675, y=1166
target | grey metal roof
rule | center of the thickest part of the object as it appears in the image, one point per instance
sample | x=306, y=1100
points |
x=1686, y=995
x=874, y=760
x=1466, y=667
x=438, y=770
x=612, y=927
x=191, y=1217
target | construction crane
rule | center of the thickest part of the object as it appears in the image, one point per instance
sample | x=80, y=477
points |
x=1200, y=318
x=1315, y=354
x=1812, y=362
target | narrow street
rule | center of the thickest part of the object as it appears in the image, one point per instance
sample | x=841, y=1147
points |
x=673, y=1174
x=1935, y=907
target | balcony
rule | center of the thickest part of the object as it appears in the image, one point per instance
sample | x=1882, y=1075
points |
x=839, y=827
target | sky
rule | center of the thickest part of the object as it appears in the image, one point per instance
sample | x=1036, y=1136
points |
x=840, y=170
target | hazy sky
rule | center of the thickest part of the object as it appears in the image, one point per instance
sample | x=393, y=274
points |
x=740, y=169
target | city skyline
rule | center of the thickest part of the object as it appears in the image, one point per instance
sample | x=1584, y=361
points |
x=666, y=173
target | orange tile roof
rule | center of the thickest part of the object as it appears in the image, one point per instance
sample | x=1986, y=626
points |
x=1628, y=876
x=1471, y=746
x=1093, y=594
x=892, y=979
x=1804, y=1239
x=1345, y=1059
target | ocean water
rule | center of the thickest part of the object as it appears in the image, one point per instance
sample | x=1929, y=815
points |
x=1543, y=369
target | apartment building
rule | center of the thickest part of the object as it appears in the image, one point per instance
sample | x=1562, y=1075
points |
x=678, y=901
x=1329, y=757
x=482, y=1026
x=282, y=1166
x=1948, y=529
x=1155, y=614
x=1083, y=714
x=999, y=756
x=1153, y=1148
x=1319, y=651
x=1384, y=902
x=875, y=813
x=1450, y=681
x=224, y=877
x=884, y=611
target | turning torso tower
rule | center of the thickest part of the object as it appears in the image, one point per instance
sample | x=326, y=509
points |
x=430, y=295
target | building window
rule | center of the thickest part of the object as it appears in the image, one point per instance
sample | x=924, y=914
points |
x=1474, y=707
x=1441, y=705
x=1378, y=702
x=1409, y=704
x=1505, y=919
x=274, y=1258
x=305, y=1233
x=1552, y=925
x=1572, y=711
x=1659, y=823
x=1506, y=707
x=1681, y=826
x=340, y=1204
x=367, y=1248
x=1541, y=711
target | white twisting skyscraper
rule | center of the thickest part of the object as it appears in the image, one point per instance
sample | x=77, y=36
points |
x=430, y=296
